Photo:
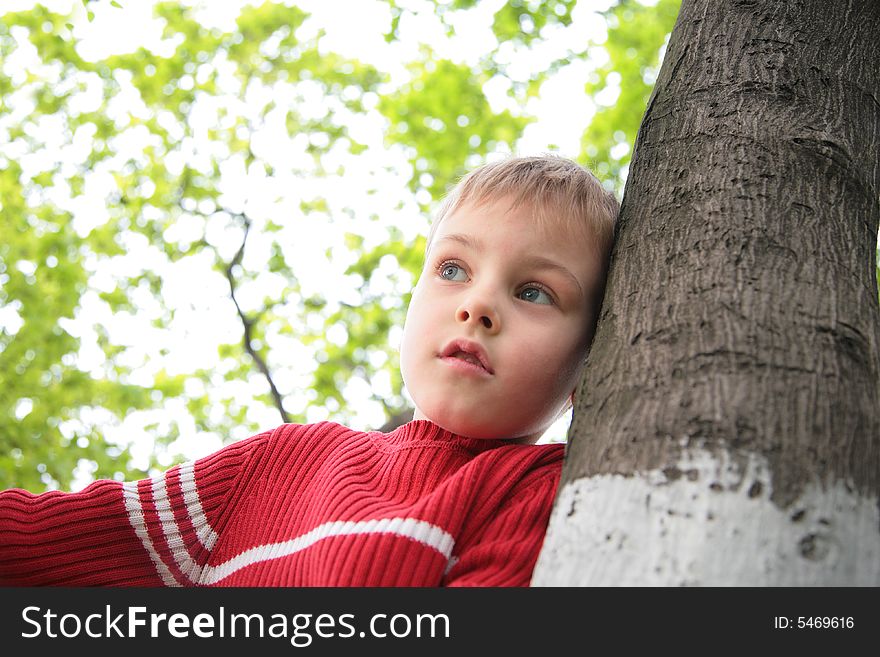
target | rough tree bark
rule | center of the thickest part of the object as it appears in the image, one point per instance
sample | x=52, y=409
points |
x=727, y=429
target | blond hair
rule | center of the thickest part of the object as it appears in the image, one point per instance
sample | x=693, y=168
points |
x=556, y=188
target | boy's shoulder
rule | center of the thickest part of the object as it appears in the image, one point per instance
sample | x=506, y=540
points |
x=293, y=431
x=541, y=461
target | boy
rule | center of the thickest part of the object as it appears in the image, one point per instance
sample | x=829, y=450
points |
x=494, y=343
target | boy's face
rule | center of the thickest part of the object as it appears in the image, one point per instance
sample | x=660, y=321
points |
x=499, y=322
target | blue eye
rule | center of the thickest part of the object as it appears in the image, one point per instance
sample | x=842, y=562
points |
x=534, y=294
x=452, y=272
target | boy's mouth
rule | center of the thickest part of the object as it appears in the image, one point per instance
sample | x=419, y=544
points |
x=470, y=358
x=469, y=352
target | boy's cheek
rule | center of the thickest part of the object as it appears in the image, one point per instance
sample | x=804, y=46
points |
x=547, y=369
x=424, y=312
x=419, y=300
x=418, y=304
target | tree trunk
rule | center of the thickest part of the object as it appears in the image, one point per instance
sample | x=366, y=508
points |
x=727, y=429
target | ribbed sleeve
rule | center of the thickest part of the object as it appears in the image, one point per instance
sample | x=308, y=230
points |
x=152, y=532
x=77, y=539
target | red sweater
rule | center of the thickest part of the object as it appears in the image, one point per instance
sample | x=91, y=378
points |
x=302, y=505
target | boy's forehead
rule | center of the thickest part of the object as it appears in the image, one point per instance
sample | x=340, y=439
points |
x=550, y=223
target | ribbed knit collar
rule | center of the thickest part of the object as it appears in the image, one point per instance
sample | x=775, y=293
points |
x=425, y=431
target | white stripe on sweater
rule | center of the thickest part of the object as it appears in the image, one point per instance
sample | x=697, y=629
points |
x=136, y=517
x=179, y=551
x=205, y=533
x=418, y=530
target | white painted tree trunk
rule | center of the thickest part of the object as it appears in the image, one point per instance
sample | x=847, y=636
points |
x=727, y=428
x=708, y=524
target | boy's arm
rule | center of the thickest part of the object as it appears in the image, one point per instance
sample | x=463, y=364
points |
x=154, y=532
x=504, y=553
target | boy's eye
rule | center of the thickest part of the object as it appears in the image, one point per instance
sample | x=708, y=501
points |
x=534, y=294
x=452, y=272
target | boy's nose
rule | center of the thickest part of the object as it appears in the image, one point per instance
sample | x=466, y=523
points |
x=478, y=311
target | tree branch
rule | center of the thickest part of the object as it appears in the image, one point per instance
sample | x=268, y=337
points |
x=247, y=322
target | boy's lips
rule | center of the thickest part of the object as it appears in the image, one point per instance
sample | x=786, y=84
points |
x=468, y=351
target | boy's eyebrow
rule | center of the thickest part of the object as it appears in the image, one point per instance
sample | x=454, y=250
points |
x=539, y=262
x=465, y=240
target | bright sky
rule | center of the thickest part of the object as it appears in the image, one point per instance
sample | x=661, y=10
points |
x=203, y=310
